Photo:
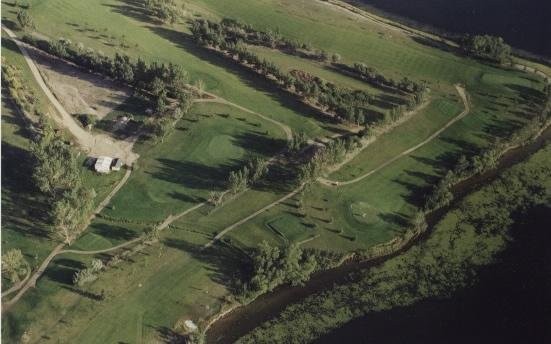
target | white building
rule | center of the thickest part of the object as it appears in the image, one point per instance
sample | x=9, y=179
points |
x=103, y=164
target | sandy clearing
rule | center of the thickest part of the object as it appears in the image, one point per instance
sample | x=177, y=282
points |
x=79, y=92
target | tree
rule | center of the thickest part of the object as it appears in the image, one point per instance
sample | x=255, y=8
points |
x=257, y=167
x=70, y=211
x=25, y=20
x=335, y=58
x=216, y=198
x=13, y=264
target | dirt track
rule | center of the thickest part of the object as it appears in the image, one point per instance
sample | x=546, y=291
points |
x=96, y=145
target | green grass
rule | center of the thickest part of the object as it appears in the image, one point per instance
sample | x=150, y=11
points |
x=173, y=175
x=178, y=173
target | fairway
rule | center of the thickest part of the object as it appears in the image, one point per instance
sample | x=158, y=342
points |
x=195, y=208
x=196, y=159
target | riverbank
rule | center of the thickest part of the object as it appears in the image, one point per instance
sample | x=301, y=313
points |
x=244, y=319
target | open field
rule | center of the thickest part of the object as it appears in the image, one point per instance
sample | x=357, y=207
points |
x=175, y=279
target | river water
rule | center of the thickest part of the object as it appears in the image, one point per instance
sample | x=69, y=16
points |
x=524, y=24
x=244, y=319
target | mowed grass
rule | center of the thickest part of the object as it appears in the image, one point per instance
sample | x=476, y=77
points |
x=194, y=160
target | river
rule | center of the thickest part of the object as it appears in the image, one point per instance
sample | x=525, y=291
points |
x=524, y=24
x=246, y=318
x=509, y=304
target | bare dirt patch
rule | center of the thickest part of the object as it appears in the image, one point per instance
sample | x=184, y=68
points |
x=78, y=91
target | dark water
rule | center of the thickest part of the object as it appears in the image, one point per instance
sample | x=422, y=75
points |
x=525, y=24
x=509, y=304
x=245, y=319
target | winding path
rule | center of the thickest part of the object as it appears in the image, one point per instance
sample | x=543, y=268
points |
x=464, y=113
x=31, y=282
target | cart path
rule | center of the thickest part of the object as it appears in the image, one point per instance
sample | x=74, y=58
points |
x=167, y=222
x=242, y=221
x=464, y=113
x=216, y=99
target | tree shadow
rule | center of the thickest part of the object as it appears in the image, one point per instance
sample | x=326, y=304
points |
x=193, y=175
x=394, y=218
x=62, y=270
x=227, y=264
x=24, y=208
x=134, y=9
x=258, y=143
x=113, y=232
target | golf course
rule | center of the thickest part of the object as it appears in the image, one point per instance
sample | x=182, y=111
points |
x=262, y=143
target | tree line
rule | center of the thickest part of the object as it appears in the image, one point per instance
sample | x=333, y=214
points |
x=57, y=175
x=342, y=103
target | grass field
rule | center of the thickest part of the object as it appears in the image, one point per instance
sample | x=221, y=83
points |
x=176, y=280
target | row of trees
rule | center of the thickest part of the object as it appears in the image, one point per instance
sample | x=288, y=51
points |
x=233, y=30
x=20, y=92
x=160, y=81
x=371, y=75
x=56, y=175
x=486, y=47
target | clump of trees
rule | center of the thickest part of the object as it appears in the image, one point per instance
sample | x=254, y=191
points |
x=333, y=153
x=24, y=19
x=486, y=47
x=56, y=174
x=247, y=175
x=297, y=142
x=165, y=10
x=273, y=266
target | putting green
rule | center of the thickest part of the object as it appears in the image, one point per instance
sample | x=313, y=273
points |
x=221, y=147
x=364, y=213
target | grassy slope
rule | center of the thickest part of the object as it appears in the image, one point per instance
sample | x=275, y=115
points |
x=176, y=289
